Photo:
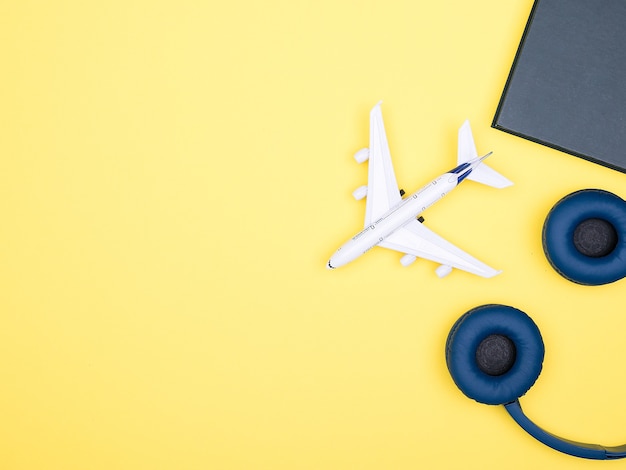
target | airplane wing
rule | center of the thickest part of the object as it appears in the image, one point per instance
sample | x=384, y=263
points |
x=416, y=239
x=382, y=188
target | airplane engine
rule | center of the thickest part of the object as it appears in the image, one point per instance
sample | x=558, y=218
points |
x=362, y=155
x=443, y=270
x=359, y=193
x=407, y=260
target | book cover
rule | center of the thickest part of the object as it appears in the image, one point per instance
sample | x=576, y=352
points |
x=566, y=88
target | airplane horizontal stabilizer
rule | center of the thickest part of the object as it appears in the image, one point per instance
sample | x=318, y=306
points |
x=482, y=173
x=487, y=175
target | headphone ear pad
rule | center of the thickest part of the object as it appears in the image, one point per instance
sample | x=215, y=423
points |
x=468, y=335
x=573, y=215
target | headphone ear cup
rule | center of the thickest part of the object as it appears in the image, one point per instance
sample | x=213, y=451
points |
x=494, y=354
x=584, y=237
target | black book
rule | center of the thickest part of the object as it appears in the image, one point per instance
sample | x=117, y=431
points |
x=567, y=85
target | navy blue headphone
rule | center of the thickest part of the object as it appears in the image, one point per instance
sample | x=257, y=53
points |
x=494, y=354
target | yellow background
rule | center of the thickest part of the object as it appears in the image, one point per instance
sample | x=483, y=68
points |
x=174, y=176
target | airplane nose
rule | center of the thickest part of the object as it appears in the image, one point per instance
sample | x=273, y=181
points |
x=329, y=266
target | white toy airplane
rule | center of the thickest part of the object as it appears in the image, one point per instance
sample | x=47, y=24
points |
x=390, y=219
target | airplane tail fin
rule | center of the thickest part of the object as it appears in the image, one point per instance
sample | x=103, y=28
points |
x=482, y=173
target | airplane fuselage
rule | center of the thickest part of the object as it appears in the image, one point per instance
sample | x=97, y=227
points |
x=401, y=214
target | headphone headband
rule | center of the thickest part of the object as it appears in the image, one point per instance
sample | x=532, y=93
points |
x=577, y=449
